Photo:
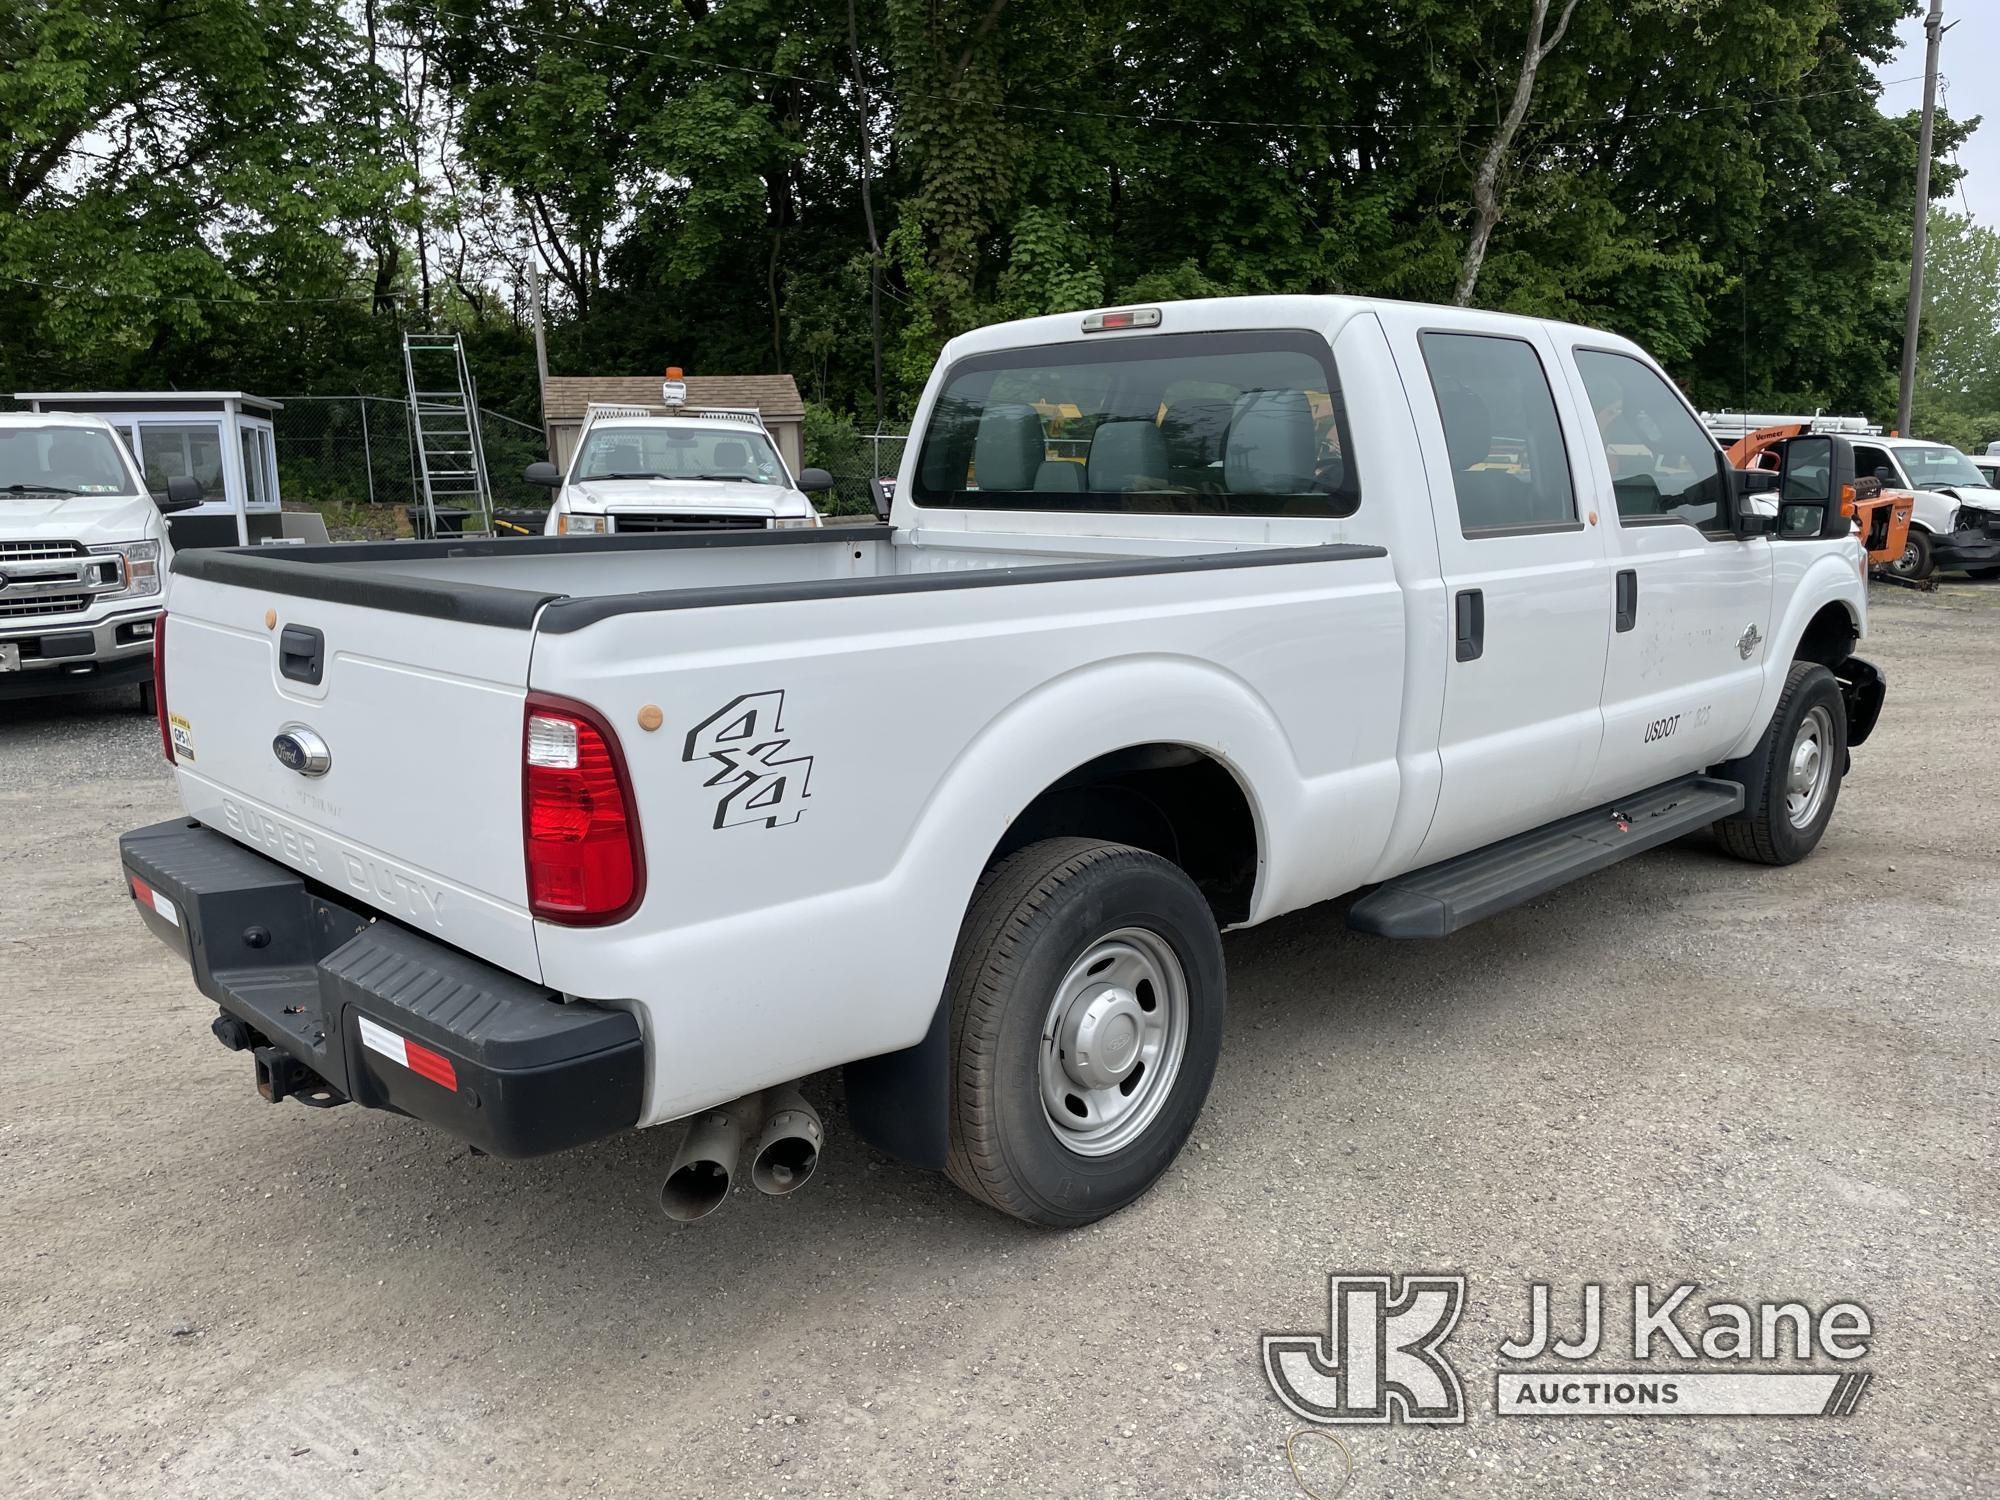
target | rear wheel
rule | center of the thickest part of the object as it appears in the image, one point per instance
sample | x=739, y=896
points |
x=1916, y=564
x=1803, y=756
x=1983, y=573
x=1086, y=1000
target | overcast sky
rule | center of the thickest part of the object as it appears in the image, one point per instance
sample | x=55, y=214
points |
x=1968, y=84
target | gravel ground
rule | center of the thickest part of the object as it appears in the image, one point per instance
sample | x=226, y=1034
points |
x=1776, y=1083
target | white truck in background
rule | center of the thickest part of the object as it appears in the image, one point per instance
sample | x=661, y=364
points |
x=83, y=558
x=641, y=470
x=1315, y=595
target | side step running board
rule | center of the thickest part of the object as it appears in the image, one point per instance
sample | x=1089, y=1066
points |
x=1442, y=898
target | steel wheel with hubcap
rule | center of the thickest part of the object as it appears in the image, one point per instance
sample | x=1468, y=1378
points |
x=1086, y=997
x=1811, y=771
x=1792, y=778
x=1112, y=1043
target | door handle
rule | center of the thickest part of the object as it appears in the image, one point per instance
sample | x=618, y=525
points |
x=1470, y=617
x=1628, y=598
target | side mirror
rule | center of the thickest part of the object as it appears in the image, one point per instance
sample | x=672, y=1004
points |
x=882, y=492
x=1815, y=478
x=815, y=481
x=1886, y=475
x=183, y=493
x=545, y=474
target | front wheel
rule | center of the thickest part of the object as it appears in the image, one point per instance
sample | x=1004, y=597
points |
x=1802, y=756
x=1086, y=999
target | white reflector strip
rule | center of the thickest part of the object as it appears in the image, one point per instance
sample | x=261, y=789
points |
x=381, y=1039
x=155, y=900
x=415, y=1056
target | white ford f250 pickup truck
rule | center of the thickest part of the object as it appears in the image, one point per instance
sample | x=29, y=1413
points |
x=541, y=840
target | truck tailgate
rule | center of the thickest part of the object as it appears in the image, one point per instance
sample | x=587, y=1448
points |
x=418, y=814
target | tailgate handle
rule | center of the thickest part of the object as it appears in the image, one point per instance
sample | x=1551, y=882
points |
x=302, y=654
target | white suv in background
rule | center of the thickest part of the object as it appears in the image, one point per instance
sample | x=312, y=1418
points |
x=83, y=557
x=635, y=471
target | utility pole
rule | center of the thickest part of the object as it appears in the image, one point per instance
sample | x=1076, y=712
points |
x=1920, y=219
x=541, y=349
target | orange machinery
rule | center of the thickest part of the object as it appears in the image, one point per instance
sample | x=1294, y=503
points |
x=1881, y=515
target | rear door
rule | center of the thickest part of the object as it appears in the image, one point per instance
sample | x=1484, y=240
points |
x=1685, y=670
x=417, y=815
x=1526, y=588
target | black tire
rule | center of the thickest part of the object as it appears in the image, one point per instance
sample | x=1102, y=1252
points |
x=147, y=704
x=1765, y=831
x=1033, y=917
x=1917, y=563
x=1982, y=574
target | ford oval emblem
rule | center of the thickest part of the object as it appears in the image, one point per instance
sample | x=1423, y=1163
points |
x=300, y=749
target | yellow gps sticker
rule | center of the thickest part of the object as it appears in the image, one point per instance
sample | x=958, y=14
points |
x=183, y=733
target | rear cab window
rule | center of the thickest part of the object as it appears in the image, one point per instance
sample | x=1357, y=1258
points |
x=1247, y=423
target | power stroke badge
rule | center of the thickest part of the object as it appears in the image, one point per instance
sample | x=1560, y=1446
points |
x=1382, y=1358
x=751, y=761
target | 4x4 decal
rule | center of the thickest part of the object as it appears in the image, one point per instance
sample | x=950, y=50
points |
x=746, y=744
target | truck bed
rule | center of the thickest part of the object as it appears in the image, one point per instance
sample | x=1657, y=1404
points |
x=580, y=580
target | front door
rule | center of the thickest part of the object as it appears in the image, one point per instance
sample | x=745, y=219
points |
x=1685, y=668
x=1526, y=591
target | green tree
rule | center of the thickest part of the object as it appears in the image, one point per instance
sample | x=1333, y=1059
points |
x=167, y=171
x=1958, y=369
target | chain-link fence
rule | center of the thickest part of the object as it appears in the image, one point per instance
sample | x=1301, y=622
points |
x=356, y=450
x=853, y=459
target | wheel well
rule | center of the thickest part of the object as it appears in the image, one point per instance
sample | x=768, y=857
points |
x=1829, y=637
x=1173, y=800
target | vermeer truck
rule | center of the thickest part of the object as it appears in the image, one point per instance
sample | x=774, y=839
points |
x=538, y=841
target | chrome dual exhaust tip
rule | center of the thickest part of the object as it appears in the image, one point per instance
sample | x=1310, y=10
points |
x=784, y=1134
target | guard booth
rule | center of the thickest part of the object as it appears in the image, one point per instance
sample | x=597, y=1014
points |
x=222, y=439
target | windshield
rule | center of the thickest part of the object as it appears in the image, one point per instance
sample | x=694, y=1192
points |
x=724, y=451
x=62, y=460
x=1932, y=466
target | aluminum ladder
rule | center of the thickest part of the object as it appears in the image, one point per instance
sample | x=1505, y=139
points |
x=445, y=443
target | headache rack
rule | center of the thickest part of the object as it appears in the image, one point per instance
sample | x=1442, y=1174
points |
x=598, y=411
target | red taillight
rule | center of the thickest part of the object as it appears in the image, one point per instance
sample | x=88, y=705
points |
x=585, y=864
x=160, y=686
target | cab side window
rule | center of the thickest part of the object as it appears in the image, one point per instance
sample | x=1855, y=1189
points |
x=1876, y=462
x=1664, y=465
x=1509, y=468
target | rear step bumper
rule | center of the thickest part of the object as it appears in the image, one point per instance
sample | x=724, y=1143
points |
x=1441, y=898
x=332, y=1002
